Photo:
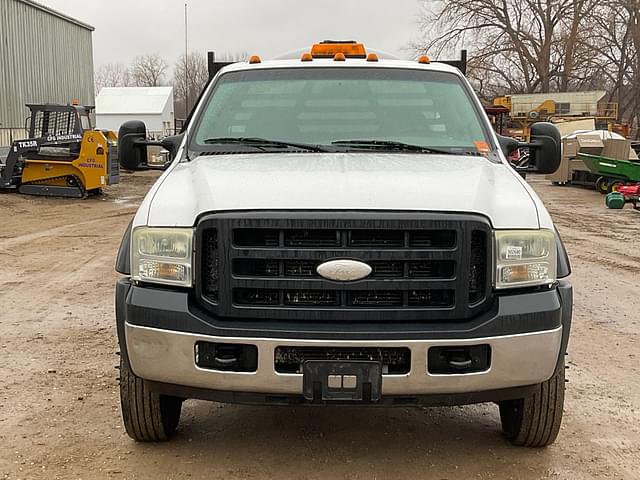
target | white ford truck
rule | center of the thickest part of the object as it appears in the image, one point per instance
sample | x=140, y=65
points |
x=342, y=227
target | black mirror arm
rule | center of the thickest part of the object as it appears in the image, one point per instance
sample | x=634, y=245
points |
x=536, y=142
x=142, y=142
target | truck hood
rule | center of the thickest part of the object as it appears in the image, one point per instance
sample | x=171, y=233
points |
x=344, y=181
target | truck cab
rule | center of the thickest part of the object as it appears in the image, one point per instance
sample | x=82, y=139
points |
x=336, y=227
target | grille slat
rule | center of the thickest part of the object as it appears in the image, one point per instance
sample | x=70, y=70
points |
x=259, y=267
x=425, y=267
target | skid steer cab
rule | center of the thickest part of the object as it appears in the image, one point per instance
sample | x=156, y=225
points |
x=63, y=156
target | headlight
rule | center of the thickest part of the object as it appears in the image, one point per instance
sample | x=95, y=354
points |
x=162, y=255
x=525, y=258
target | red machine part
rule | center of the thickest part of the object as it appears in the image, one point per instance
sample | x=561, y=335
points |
x=629, y=190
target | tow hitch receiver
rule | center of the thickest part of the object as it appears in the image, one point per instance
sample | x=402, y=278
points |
x=342, y=381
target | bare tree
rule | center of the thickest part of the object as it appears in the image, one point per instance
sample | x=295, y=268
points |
x=190, y=76
x=615, y=39
x=112, y=75
x=519, y=45
x=148, y=70
x=526, y=46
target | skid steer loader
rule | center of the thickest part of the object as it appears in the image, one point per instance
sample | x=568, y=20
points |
x=63, y=156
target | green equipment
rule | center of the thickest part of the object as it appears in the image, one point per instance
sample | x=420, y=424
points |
x=612, y=173
x=614, y=200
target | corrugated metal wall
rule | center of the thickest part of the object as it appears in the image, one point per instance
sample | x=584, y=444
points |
x=43, y=58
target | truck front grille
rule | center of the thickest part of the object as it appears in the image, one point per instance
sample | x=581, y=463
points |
x=263, y=265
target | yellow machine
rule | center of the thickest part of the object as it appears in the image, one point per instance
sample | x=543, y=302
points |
x=527, y=109
x=63, y=157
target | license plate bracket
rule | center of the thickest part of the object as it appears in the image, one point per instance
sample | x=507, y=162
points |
x=357, y=381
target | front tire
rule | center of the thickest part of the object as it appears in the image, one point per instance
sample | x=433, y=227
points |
x=602, y=185
x=615, y=185
x=535, y=421
x=147, y=416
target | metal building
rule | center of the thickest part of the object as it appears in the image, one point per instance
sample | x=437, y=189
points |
x=45, y=57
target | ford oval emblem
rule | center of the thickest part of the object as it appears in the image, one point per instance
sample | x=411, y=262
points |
x=344, y=270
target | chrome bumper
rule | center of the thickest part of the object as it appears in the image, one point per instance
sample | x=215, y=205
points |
x=169, y=357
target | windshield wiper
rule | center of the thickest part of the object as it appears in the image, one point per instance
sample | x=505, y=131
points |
x=395, y=146
x=265, y=142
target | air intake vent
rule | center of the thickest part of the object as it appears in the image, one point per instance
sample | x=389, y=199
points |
x=211, y=265
x=255, y=296
x=432, y=239
x=311, y=238
x=376, y=298
x=254, y=237
x=387, y=269
x=432, y=269
x=376, y=239
x=245, y=267
x=431, y=298
x=311, y=298
x=478, y=267
x=300, y=268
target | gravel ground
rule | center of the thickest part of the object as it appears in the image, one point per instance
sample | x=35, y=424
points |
x=59, y=406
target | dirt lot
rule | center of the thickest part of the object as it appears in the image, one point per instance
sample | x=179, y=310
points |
x=59, y=407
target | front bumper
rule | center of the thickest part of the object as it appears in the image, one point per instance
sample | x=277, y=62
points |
x=527, y=334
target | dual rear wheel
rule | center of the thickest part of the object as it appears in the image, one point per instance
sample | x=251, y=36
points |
x=607, y=185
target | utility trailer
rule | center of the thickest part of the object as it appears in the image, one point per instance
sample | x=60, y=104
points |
x=612, y=173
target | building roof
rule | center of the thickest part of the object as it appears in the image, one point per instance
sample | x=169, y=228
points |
x=133, y=100
x=57, y=14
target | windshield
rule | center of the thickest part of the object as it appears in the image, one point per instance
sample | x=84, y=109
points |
x=356, y=106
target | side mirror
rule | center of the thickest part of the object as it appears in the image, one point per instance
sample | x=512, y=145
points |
x=133, y=147
x=545, y=148
x=508, y=145
x=132, y=150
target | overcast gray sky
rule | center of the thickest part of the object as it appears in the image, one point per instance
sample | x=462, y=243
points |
x=126, y=28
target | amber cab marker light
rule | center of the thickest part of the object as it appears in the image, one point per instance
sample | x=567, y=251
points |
x=306, y=57
x=372, y=57
x=255, y=59
x=339, y=57
x=424, y=59
x=328, y=49
x=482, y=147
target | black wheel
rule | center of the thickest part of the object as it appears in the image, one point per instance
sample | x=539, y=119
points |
x=535, y=421
x=614, y=185
x=147, y=416
x=602, y=185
